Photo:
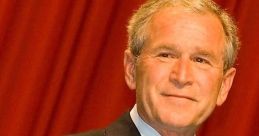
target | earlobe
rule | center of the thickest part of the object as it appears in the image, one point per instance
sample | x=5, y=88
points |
x=129, y=69
x=226, y=85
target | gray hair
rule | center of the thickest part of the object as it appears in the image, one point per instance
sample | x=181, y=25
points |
x=138, y=25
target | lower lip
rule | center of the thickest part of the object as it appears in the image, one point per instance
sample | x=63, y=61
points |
x=178, y=97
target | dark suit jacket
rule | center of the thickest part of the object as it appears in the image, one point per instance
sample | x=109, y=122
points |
x=124, y=126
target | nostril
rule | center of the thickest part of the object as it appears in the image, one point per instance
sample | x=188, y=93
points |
x=180, y=84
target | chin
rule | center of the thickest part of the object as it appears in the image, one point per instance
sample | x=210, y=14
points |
x=177, y=120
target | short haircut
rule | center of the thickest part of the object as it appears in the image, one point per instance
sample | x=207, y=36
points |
x=138, y=25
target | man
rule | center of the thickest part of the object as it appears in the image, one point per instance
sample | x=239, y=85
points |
x=180, y=62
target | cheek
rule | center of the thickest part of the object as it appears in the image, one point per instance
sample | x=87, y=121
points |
x=207, y=89
x=150, y=77
x=151, y=74
x=209, y=83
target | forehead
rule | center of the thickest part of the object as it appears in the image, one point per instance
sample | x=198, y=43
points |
x=179, y=25
x=181, y=17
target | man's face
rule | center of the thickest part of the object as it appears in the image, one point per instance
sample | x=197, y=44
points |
x=179, y=76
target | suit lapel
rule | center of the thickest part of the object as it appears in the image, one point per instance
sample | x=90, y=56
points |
x=124, y=126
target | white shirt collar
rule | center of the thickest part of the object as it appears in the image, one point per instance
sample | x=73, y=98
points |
x=143, y=128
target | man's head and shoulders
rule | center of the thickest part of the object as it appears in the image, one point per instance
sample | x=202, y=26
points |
x=180, y=62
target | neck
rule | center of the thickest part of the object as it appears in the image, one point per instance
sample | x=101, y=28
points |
x=166, y=130
x=177, y=132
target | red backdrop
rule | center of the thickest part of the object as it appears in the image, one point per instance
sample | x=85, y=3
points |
x=61, y=68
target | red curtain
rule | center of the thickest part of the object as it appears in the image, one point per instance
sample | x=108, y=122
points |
x=61, y=68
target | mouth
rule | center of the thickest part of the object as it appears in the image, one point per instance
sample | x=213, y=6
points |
x=179, y=96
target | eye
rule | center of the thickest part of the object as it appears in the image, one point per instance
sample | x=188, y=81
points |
x=201, y=60
x=164, y=55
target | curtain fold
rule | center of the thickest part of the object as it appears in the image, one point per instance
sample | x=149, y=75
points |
x=61, y=68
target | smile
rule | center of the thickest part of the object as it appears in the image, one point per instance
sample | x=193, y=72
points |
x=179, y=96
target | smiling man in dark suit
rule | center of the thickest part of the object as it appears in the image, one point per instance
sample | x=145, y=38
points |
x=180, y=62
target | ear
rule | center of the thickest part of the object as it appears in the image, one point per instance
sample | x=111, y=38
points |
x=226, y=85
x=129, y=69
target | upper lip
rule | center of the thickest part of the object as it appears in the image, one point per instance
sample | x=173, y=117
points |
x=180, y=96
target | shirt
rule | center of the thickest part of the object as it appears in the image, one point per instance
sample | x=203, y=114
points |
x=143, y=128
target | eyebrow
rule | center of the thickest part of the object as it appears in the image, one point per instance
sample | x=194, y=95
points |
x=166, y=47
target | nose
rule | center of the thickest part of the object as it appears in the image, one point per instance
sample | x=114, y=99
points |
x=181, y=74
